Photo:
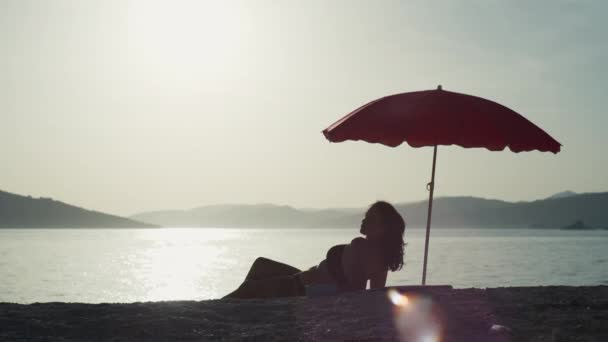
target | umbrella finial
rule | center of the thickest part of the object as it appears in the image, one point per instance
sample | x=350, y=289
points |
x=439, y=87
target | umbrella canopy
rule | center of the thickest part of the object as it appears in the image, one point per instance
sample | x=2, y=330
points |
x=439, y=117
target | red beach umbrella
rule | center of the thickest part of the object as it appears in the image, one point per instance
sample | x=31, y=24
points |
x=439, y=117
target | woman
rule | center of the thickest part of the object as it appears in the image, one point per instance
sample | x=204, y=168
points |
x=347, y=267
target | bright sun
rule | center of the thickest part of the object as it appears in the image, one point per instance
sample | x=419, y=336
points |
x=186, y=35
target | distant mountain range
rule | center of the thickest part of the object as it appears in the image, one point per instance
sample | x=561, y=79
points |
x=252, y=216
x=26, y=212
x=557, y=211
x=563, y=210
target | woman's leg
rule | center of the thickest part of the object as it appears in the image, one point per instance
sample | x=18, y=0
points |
x=266, y=268
x=281, y=286
x=267, y=278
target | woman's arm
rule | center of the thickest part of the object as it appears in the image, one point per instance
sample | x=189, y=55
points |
x=378, y=280
x=354, y=263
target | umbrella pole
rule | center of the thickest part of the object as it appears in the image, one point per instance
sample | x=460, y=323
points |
x=430, y=187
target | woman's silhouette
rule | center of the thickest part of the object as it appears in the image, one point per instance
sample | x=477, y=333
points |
x=347, y=267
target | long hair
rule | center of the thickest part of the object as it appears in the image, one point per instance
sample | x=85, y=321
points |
x=392, y=240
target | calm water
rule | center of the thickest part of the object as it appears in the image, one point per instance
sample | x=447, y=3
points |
x=111, y=265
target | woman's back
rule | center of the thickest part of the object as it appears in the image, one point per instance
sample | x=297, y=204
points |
x=362, y=261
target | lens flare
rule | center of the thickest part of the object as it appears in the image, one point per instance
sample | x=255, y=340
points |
x=429, y=337
x=416, y=317
x=397, y=298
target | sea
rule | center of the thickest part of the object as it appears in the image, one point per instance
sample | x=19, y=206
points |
x=137, y=265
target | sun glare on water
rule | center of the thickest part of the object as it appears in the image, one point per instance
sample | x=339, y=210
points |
x=176, y=265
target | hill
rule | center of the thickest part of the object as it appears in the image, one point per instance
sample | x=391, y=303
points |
x=481, y=213
x=250, y=216
x=563, y=194
x=26, y=212
x=448, y=212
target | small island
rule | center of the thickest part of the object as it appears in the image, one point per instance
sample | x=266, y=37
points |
x=577, y=225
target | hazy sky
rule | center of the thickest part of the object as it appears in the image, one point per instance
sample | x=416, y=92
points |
x=127, y=106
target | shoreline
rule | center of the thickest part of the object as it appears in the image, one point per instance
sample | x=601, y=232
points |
x=541, y=313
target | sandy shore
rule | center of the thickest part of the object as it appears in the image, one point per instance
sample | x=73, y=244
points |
x=559, y=313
